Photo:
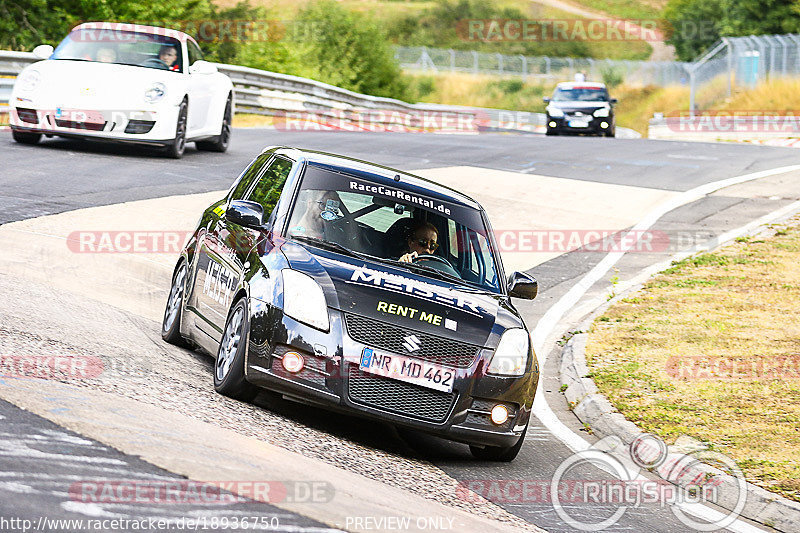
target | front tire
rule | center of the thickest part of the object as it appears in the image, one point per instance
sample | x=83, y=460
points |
x=229, y=377
x=25, y=137
x=504, y=454
x=178, y=146
x=551, y=132
x=220, y=142
x=171, y=324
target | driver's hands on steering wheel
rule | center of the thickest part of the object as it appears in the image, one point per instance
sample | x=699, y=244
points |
x=408, y=258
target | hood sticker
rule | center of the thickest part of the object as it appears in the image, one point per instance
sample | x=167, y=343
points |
x=419, y=289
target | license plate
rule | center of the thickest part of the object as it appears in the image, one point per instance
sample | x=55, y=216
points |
x=578, y=124
x=407, y=369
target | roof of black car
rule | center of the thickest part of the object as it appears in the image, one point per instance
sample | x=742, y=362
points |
x=374, y=172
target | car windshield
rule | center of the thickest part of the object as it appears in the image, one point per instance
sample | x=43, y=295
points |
x=122, y=48
x=581, y=94
x=450, y=239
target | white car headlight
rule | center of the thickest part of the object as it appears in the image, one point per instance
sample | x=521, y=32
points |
x=304, y=300
x=602, y=112
x=28, y=80
x=155, y=92
x=511, y=356
x=554, y=111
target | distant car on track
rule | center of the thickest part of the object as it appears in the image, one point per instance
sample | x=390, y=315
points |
x=581, y=107
x=294, y=282
x=126, y=83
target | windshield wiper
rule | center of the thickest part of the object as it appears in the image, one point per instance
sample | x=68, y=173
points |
x=322, y=243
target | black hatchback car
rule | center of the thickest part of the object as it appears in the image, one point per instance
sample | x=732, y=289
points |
x=581, y=107
x=302, y=280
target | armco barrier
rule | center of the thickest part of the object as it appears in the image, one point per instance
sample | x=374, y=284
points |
x=269, y=93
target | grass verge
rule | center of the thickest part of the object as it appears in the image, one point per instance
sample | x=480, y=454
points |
x=710, y=348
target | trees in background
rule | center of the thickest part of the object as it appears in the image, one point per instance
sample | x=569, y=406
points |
x=694, y=25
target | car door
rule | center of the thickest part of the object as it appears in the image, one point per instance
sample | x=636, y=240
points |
x=201, y=91
x=218, y=261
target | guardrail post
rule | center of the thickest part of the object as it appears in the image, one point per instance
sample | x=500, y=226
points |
x=452, y=60
x=524, y=66
x=499, y=63
x=474, y=62
x=547, y=65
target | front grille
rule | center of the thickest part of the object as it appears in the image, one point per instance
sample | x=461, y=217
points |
x=432, y=348
x=27, y=115
x=92, y=126
x=398, y=396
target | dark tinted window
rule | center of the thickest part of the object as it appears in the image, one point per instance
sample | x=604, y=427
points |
x=269, y=187
x=581, y=94
x=249, y=176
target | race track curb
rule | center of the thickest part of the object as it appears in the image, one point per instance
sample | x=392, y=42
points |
x=594, y=410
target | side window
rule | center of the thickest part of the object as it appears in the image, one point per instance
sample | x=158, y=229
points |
x=194, y=52
x=249, y=175
x=268, y=189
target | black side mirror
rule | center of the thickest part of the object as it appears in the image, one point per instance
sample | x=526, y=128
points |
x=246, y=213
x=521, y=285
x=613, y=100
x=546, y=99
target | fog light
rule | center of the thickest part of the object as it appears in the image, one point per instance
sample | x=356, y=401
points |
x=604, y=124
x=552, y=124
x=499, y=414
x=293, y=362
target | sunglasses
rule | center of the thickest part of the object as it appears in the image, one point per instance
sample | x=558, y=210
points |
x=429, y=244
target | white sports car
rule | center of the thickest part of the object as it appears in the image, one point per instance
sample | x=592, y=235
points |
x=127, y=83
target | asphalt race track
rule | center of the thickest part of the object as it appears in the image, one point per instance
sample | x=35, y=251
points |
x=60, y=175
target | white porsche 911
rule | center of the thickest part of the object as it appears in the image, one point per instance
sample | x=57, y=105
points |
x=125, y=83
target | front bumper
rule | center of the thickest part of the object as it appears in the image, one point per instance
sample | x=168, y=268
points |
x=332, y=379
x=145, y=126
x=594, y=124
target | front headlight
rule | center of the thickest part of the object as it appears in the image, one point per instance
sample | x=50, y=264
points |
x=304, y=300
x=28, y=80
x=511, y=356
x=155, y=92
x=554, y=111
x=602, y=112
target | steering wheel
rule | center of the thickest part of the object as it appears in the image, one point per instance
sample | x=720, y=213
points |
x=442, y=264
x=155, y=62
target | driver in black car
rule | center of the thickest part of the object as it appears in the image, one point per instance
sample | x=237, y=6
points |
x=421, y=240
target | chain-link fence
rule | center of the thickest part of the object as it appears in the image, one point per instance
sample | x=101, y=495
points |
x=742, y=62
x=660, y=73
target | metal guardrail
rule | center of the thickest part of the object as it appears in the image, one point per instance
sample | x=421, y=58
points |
x=269, y=93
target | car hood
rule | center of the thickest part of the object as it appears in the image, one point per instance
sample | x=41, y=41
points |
x=388, y=294
x=91, y=85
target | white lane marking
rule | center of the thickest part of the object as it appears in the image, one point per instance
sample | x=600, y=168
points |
x=694, y=157
x=548, y=322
